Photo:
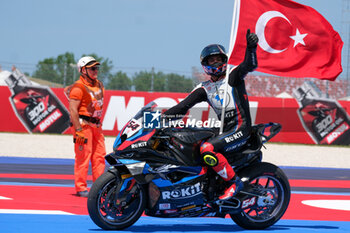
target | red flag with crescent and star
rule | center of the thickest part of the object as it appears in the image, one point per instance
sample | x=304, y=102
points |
x=294, y=40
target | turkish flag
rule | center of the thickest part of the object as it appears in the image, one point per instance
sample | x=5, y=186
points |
x=294, y=39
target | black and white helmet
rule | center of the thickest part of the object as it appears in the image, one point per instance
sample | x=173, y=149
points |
x=216, y=69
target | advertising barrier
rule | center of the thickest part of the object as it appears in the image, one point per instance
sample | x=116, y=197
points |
x=36, y=106
x=120, y=106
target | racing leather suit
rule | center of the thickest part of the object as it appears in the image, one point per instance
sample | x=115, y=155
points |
x=237, y=120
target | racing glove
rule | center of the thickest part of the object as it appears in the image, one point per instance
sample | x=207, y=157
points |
x=252, y=39
x=80, y=138
x=250, y=60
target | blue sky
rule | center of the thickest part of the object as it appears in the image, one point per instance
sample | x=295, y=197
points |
x=134, y=34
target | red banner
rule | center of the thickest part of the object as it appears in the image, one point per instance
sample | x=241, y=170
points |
x=120, y=106
x=290, y=45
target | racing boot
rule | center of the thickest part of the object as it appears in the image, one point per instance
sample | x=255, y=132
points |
x=221, y=166
x=235, y=186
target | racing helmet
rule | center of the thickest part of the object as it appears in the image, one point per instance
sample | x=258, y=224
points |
x=86, y=61
x=217, y=69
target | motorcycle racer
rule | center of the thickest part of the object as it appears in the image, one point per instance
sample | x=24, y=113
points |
x=237, y=121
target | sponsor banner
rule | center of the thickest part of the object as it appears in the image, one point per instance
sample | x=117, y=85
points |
x=50, y=120
x=121, y=106
x=36, y=107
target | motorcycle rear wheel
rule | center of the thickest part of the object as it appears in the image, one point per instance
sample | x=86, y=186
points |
x=115, y=204
x=272, y=185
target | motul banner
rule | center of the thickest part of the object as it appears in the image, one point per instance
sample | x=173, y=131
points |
x=120, y=106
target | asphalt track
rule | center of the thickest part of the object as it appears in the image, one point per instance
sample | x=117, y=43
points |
x=37, y=195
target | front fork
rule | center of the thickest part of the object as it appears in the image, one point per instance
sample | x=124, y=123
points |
x=125, y=184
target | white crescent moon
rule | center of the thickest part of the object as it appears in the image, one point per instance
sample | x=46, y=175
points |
x=260, y=30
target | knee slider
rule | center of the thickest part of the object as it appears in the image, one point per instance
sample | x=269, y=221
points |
x=210, y=159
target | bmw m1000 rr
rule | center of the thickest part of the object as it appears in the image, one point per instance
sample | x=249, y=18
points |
x=159, y=172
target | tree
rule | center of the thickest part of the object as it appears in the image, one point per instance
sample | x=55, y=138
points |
x=159, y=82
x=46, y=70
x=178, y=83
x=119, y=81
x=63, y=69
x=150, y=81
x=66, y=68
x=57, y=70
x=142, y=81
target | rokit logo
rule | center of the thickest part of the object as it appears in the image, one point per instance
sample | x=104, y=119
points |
x=182, y=193
x=138, y=145
x=233, y=137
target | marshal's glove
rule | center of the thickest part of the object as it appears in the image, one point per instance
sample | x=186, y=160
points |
x=80, y=138
x=252, y=39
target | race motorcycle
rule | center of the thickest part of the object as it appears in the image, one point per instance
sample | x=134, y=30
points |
x=159, y=172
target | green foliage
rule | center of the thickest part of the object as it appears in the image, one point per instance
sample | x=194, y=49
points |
x=46, y=70
x=66, y=68
x=63, y=70
x=178, y=83
x=145, y=81
x=59, y=70
x=142, y=81
x=159, y=82
x=162, y=82
x=119, y=81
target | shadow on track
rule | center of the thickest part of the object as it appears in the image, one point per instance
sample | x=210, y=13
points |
x=217, y=228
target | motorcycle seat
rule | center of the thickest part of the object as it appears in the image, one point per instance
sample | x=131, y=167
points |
x=190, y=135
x=253, y=145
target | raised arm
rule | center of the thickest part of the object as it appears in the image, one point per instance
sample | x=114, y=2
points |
x=249, y=63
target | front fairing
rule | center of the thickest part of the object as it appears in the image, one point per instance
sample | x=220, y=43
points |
x=137, y=141
x=134, y=135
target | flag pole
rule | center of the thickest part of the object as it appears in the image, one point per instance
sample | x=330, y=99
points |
x=234, y=26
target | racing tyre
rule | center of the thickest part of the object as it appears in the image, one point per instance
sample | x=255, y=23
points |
x=272, y=194
x=115, y=203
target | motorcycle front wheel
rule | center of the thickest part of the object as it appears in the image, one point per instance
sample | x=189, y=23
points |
x=272, y=195
x=115, y=203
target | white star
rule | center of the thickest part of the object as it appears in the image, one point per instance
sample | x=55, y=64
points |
x=298, y=38
x=156, y=115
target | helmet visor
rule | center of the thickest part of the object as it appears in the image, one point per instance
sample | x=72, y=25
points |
x=216, y=70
